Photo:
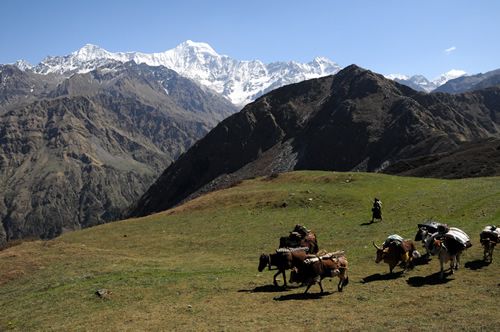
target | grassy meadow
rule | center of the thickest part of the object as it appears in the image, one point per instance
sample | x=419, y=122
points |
x=194, y=268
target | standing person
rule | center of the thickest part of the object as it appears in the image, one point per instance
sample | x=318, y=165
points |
x=377, y=210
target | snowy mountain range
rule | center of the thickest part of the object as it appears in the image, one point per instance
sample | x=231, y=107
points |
x=239, y=81
x=419, y=82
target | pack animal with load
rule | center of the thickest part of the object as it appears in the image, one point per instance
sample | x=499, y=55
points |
x=426, y=230
x=327, y=265
x=448, y=244
x=300, y=237
x=489, y=238
x=396, y=249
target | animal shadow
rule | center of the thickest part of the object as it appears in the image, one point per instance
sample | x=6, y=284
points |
x=302, y=296
x=422, y=260
x=430, y=280
x=476, y=265
x=267, y=289
x=380, y=277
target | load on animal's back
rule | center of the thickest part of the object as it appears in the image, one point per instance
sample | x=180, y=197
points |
x=300, y=237
x=396, y=249
x=448, y=244
x=489, y=237
x=323, y=265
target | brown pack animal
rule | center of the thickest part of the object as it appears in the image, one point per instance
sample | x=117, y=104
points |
x=283, y=260
x=489, y=238
x=396, y=252
x=300, y=237
x=488, y=246
x=314, y=270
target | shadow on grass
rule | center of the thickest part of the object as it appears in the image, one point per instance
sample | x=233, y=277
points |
x=476, y=265
x=367, y=223
x=267, y=289
x=302, y=296
x=431, y=280
x=380, y=277
x=425, y=259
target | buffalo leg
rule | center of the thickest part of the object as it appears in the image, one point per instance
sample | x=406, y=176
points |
x=307, y=288
x=277, y=273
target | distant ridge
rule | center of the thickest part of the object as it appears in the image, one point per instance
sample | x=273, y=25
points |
x=470, y=82
x=355, y=120
x=241, y=82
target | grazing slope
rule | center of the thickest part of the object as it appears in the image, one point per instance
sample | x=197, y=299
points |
x=195, y=266
x=354, y=121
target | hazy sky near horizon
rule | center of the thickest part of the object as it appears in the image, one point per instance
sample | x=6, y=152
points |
x=388, y=37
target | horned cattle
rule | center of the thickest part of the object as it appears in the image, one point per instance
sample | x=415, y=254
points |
x=283, y=259
x=395, y=252
x=314, y=270
x=449, y=247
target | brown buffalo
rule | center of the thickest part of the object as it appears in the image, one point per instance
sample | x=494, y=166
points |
x=489, y=246
x=314, y=270
x=283, y=260
x=396, y=252
x=489, y=238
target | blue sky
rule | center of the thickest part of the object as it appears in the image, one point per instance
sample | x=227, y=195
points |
x=388, y=37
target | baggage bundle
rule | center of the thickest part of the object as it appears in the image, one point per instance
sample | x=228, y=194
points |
x=453, y=233
x=491, y=232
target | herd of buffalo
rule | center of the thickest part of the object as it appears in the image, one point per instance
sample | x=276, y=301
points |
x=300, y=253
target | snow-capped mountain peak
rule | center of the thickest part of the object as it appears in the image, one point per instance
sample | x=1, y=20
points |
x=419, y=82
x=397, y=76
x=90, y=52
x=23, y=65
x=452, y=74
x=190, y=47
x=239, y=81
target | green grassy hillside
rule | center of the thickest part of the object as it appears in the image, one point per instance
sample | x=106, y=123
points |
x=194, y=267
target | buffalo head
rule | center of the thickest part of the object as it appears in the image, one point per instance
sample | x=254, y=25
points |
x=437, y=246
x=263, y=262
x=380, y=253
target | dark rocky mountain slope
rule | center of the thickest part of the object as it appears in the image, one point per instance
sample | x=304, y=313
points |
x=480, y=158
x=355, y=120
x=90, y=145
